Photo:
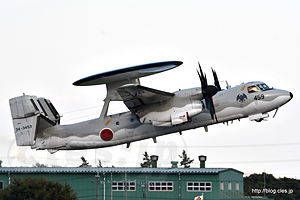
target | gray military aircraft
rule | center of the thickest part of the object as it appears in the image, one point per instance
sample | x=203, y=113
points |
x=152, y=112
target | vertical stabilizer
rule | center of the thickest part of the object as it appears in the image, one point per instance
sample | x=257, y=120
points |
x=31, y=115
x=25, y=112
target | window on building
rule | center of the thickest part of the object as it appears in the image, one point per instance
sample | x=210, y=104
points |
x=120, y=185
x=229, y=186
x=160, y=186
x=221, y=186
x=237, y=186
x=198, y=186
x=1, y=185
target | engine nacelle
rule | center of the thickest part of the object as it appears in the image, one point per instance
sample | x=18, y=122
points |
x=179, y=118
x=177, y=110
x=169, y=117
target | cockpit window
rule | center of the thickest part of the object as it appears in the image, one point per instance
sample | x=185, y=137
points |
x=252, y=89
x=263, y=87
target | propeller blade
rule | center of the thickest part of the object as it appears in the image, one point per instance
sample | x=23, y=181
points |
x=202, y=77
x=212, y=110
x=209, y=90
x=210, y=106
x=217, y=83
x=207, y=102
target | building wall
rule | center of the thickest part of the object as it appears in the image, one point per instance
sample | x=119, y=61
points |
x=203, y=180
x=164, y=191
x=233, y=184
x=160, y=186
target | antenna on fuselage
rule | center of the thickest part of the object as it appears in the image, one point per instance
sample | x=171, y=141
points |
x=227, y=84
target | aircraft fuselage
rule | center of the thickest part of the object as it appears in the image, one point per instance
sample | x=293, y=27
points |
x=231, y=104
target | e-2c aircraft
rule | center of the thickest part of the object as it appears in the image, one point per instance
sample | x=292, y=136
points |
x=152, y=112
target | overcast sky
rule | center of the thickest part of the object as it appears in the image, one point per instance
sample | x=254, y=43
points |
x=47, y=45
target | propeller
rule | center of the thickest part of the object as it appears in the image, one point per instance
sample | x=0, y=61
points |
x=209, y=91
x=217, y=83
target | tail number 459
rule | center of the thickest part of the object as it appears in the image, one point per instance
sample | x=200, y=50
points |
x=259, y=97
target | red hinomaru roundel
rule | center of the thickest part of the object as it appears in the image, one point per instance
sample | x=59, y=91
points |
x=106, y=134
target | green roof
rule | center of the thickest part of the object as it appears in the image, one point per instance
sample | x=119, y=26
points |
x=114, y=170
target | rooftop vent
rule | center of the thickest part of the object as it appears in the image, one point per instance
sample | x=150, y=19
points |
x=202, y=160
x=174, y=164
x=154, y=159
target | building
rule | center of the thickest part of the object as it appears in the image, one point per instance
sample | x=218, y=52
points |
x=140, y=183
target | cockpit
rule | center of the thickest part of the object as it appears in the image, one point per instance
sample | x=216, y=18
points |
x=258, y=87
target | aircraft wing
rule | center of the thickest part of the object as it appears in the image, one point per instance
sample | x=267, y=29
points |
x=135, y=95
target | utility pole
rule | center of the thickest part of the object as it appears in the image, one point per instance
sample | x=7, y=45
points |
x=97, y=180
x=146, y=188
x=265, y=183
x=125, y=186
x=103, y=182
x=179, y=186
x=111, y=183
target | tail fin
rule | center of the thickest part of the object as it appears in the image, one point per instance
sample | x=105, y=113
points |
x=31, y=115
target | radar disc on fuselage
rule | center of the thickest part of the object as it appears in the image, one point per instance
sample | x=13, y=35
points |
x=127, y=73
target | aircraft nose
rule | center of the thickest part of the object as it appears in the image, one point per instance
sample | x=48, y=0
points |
x=281, y=97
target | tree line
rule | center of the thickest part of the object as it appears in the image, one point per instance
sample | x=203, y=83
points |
x=269, y=186
x=185, y=161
